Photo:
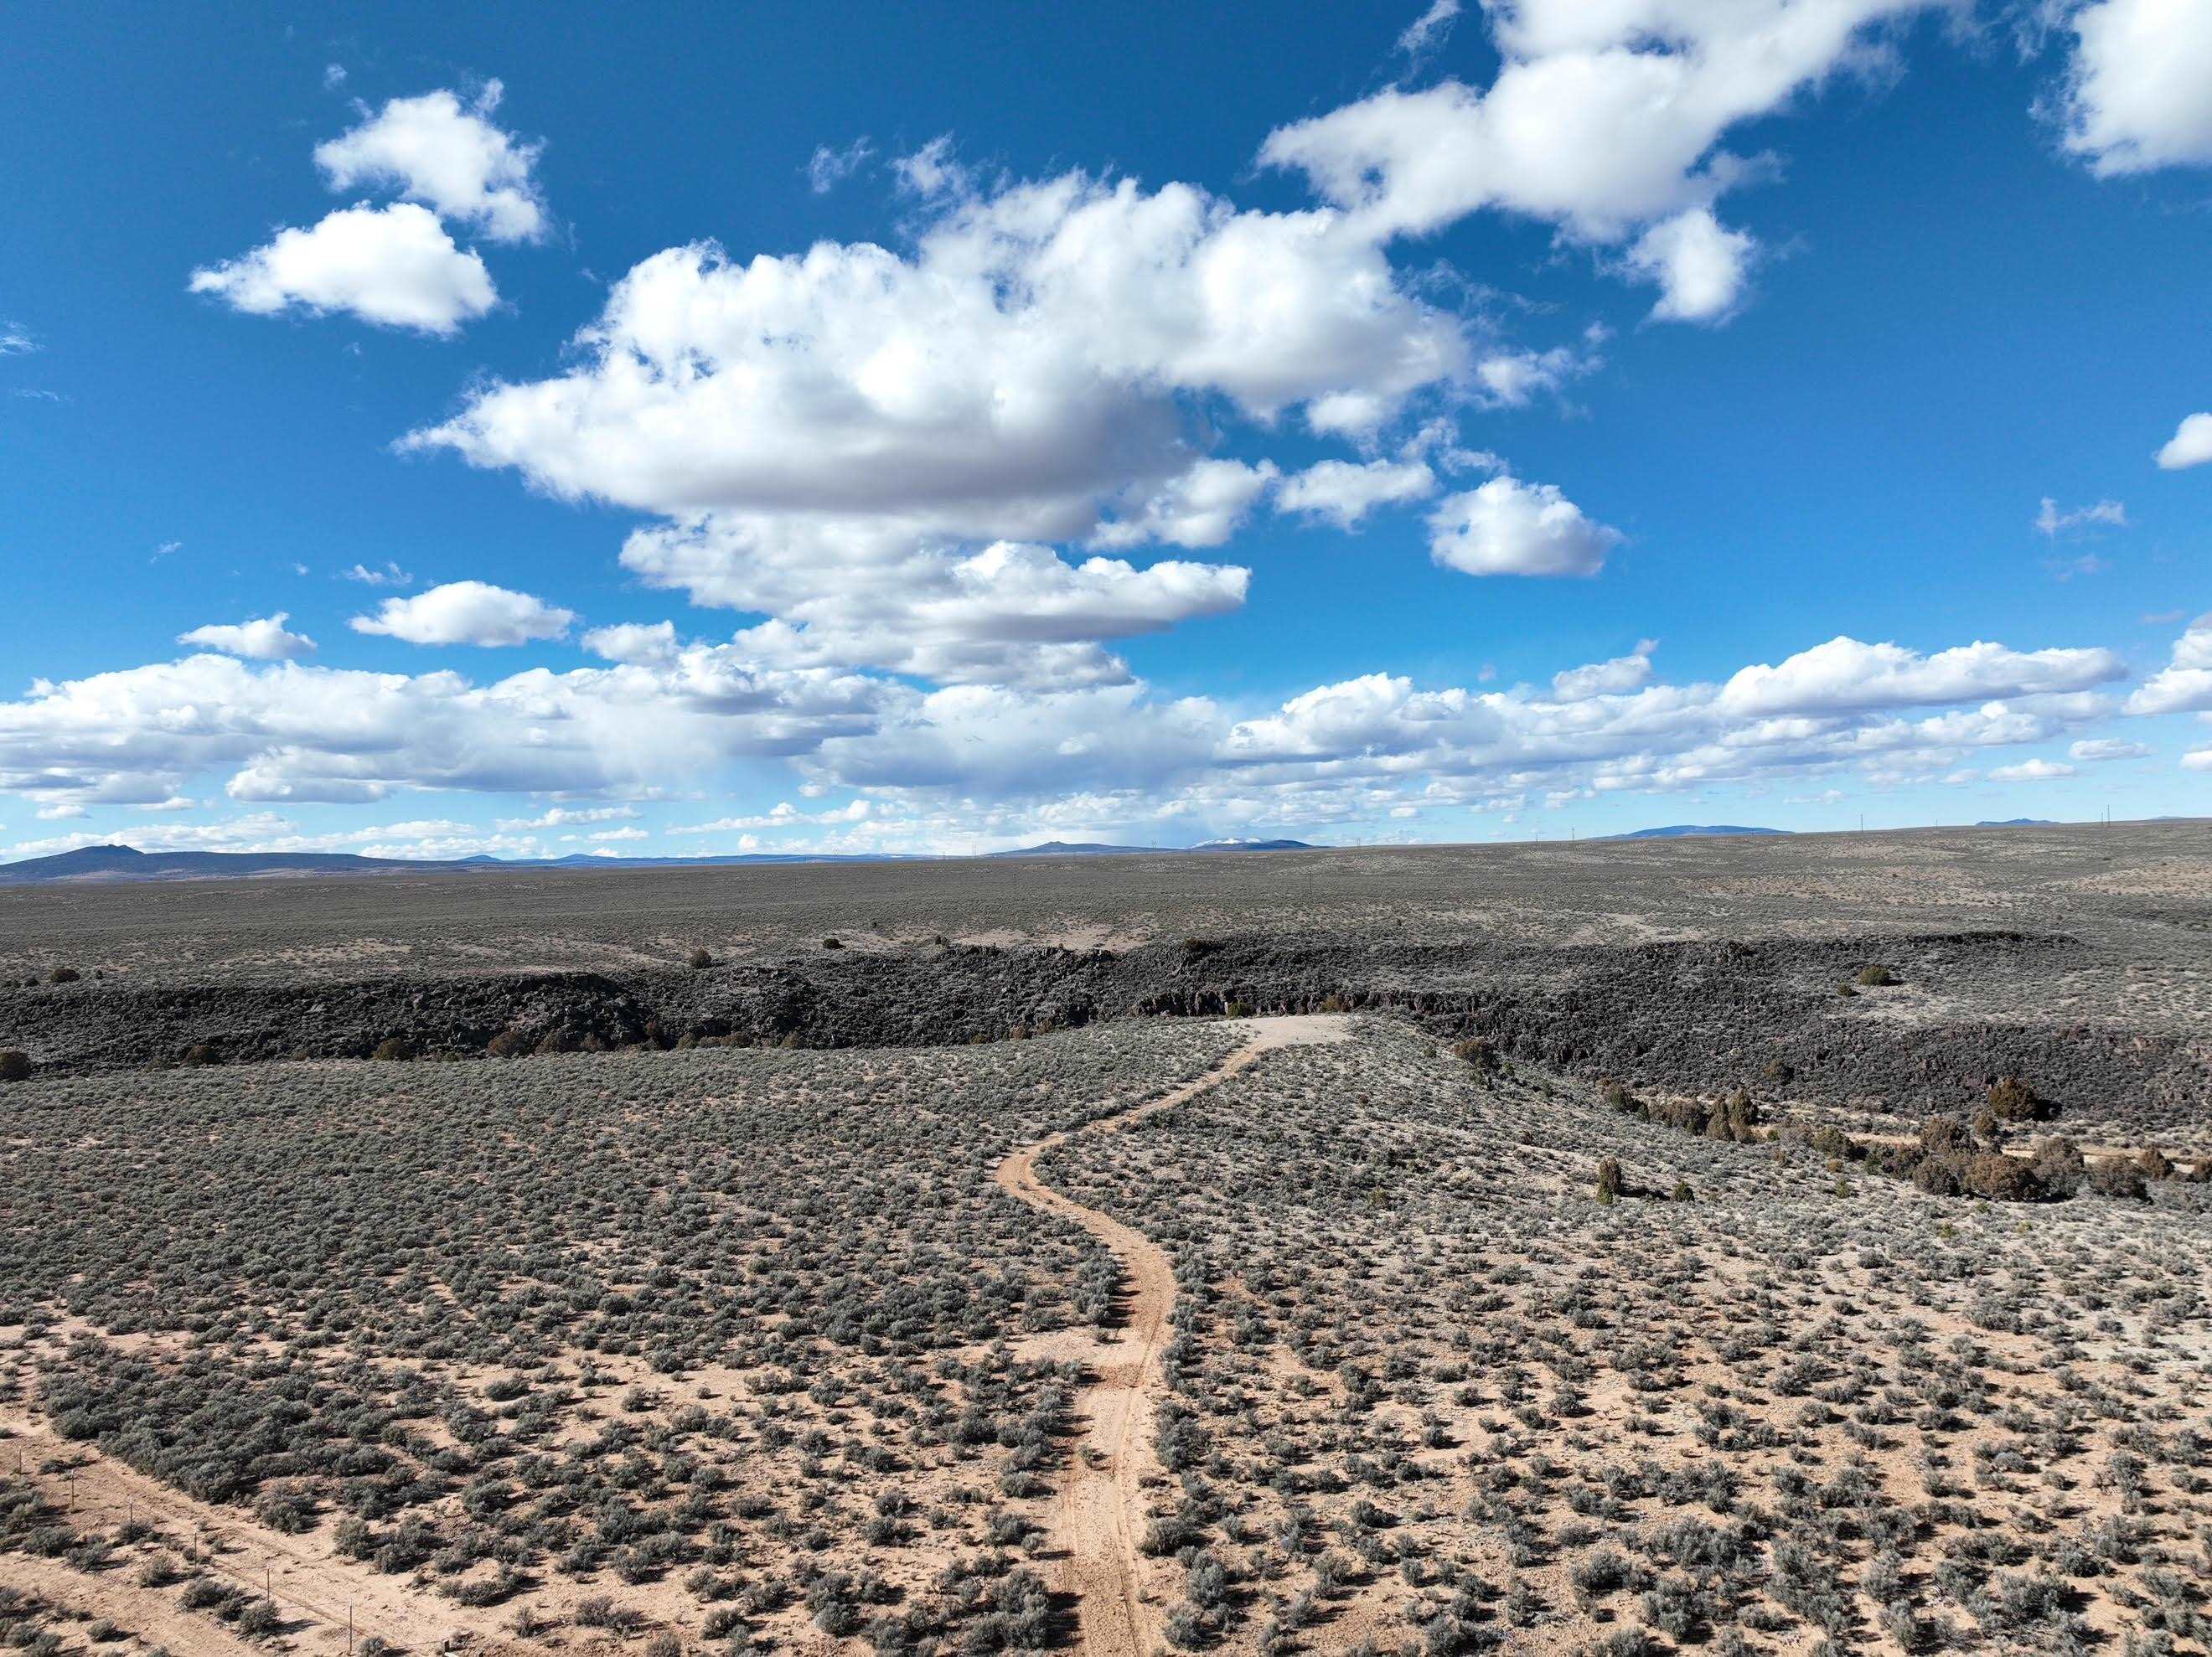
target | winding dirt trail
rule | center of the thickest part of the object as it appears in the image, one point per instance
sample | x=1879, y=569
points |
x=314, y=1587
x=1101, y=1506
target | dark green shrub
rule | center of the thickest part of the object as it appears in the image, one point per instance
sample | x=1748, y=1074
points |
x=285, y=1512
x=1478, y=1052
x=1830, y=1140
x=1611, y=1183
x=14, y=1065
x=1735, y=1119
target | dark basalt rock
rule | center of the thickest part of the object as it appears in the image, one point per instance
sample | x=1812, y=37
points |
x=1687, y=1017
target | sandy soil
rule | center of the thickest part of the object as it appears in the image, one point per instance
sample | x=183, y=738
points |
x=1099, y=1515
x=318, y=1591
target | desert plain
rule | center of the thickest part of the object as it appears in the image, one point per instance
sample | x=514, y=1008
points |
x=1790, y=1244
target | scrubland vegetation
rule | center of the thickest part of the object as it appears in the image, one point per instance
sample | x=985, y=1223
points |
x=1433, y=1392
x=720, y=1343
x=1789, y=1248
x=743, y=1350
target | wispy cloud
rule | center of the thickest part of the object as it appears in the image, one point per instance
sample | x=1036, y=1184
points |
x=1427, y=32
x=826, y=168
x=2104, y=514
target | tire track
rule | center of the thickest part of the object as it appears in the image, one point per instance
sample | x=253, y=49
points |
x=304, y=1574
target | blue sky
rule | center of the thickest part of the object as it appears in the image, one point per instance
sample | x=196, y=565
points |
x=859, y=428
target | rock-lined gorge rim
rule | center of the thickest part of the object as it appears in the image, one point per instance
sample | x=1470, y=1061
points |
x=1778, y=1014
x=1099, y=1515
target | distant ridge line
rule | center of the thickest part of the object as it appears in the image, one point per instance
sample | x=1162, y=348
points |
x=109, y=864
x=1687, y=830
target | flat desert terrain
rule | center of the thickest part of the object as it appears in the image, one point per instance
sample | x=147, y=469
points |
x=1794, y=1245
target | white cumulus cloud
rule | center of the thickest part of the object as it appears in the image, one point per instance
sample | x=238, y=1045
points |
x=1014, y=378
x=2136, y=95
x=1609, y=678
x=1698, y=264
x=444, y=151
x=1507, y=527
x=467, y=613
x=263, y=640
x=2097, y=748
x=1845, y=673
x=637, y=642
x=2035, y=770
x=1344, y=492
x=394, y=266
x=1068, y=751
x=569, y=816
x=2189, y=446
x=288, y=731
x=1199, y=506
x=2184, y=684
x=1605, y=119
x=857, y=595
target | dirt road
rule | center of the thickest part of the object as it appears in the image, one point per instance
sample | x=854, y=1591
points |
x=1099, y=1516
x=315, y=1589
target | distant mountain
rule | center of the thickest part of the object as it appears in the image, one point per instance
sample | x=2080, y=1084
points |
x=104, y=863
x=2020, y=822
x=1685, y=830
x=732, y=860
x=1064, y=848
